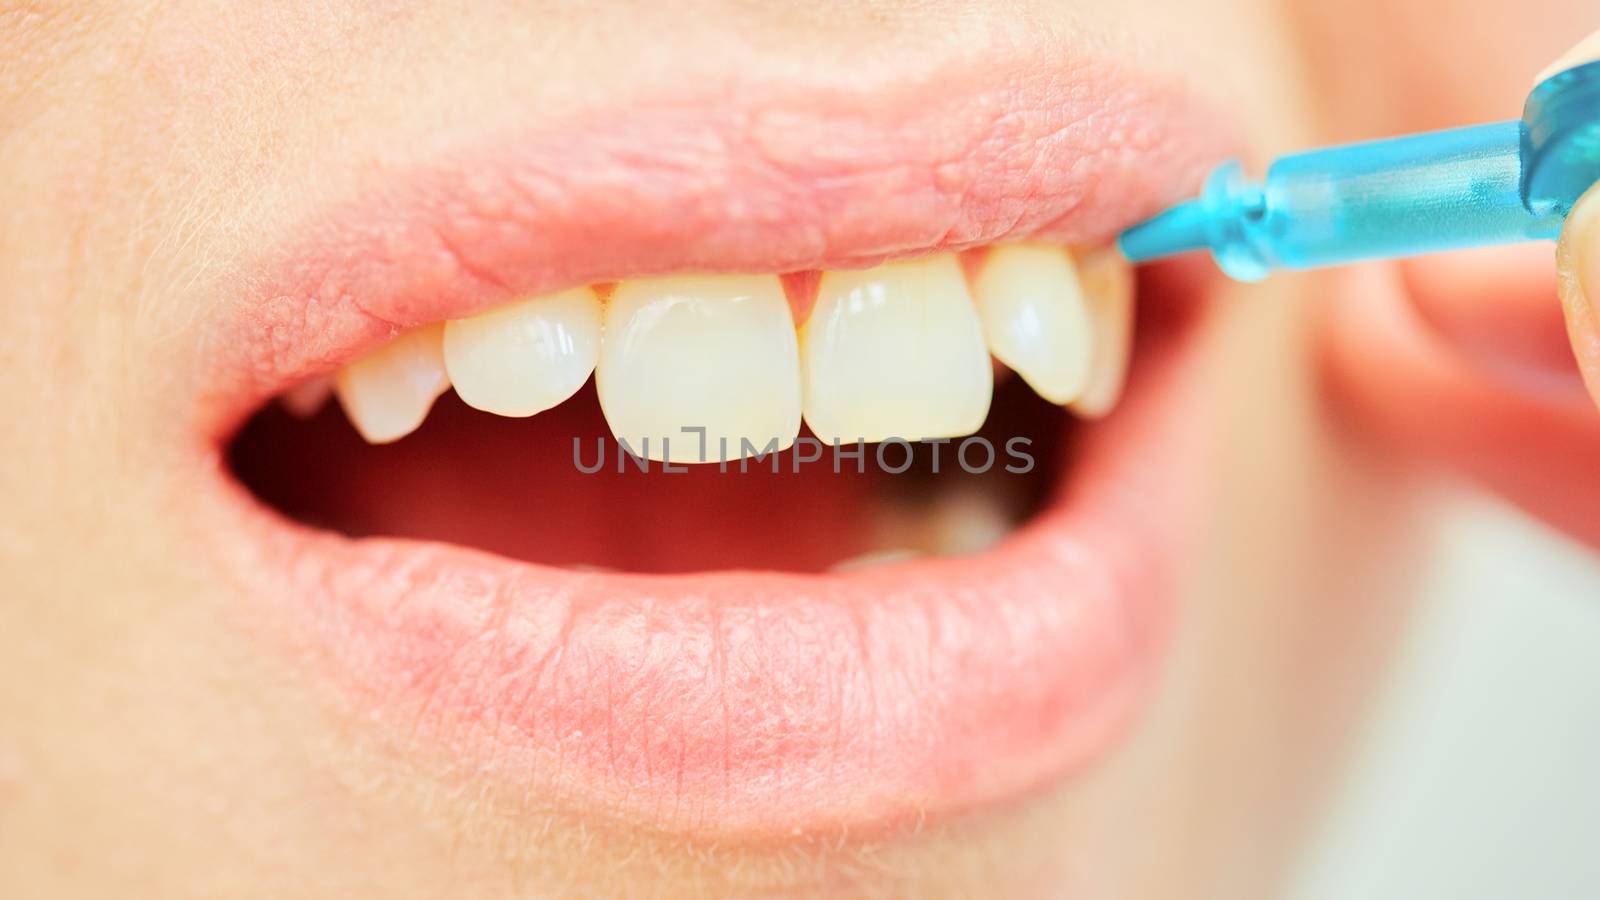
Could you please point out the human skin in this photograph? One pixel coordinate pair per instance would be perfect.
(163, 735)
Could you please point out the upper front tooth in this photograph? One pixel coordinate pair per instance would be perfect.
(1108, 286)
(387, 394)
(1036, 318)
(525, 357)
(716, 352)
(895, 351)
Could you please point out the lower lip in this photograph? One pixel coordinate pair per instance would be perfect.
(747, 704)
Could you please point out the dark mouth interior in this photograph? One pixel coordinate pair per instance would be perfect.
(511, 486)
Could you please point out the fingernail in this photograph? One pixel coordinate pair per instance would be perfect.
(1586, 51)
(1579, 262)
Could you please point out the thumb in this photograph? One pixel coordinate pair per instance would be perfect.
(1578, 259)
(1588, 50)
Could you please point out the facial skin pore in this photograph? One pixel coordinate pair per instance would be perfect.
(162, 736)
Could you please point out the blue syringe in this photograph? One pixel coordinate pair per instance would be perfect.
(1467, 187)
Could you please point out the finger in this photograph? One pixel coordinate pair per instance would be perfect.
(1578, 257)
(1588, 50)
(1534, 440)
(1578, 261)
(1499, 307)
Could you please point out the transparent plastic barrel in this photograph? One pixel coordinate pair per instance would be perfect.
(1420, 194)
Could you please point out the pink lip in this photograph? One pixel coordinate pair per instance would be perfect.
(739, 703)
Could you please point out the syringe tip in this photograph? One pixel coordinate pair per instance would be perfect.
(1179, 229)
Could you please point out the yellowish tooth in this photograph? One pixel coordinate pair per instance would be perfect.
(1107, 281)
(1036, 319)
(525, 357)
(895, 351)
(712, 352)
(388, 393)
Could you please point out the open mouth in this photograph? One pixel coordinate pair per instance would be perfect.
(731, 496)
(684, 450)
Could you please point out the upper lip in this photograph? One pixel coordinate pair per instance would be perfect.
(733, 702)
(765, 179)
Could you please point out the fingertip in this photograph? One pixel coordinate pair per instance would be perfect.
(1397, 379)
(1578, 262)
(1578, 257)
(1498, 306)
(1588, 50)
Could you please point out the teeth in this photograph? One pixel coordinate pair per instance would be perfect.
(958, 522)
(968, 522)
(1108, 286)
(387, 394)
(706, 351)
(875, 559)
(895, 351)
(898, 351)
(1036, 318)
(525, 357)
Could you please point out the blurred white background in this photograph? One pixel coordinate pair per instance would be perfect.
(1480, 776)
